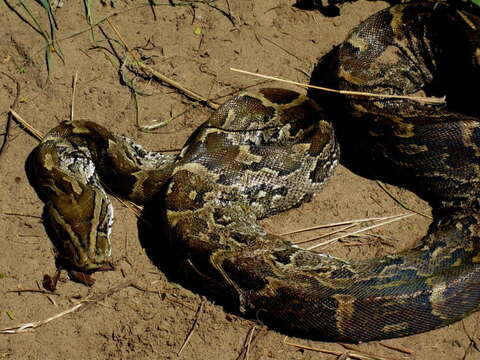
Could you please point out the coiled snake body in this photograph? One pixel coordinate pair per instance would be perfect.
(265, 152)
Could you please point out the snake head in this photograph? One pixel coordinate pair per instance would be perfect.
(78, 214)
(81, 224)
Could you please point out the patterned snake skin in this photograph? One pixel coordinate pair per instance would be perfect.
(269, 151)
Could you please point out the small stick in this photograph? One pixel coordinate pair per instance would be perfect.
(360, 230)
(32, 291)
(6, 134)
(399, 202)
(281, 48)
(35, 324)
(189, 93)
(75, 78)
(190, 333)
(422, 99)
(37, 134)
(24, 215)
(136, 209)
(249, 342)
(306, 347)
(52, 300)
(368, 356)
(83, 305)
(352, 354)
(398, 348)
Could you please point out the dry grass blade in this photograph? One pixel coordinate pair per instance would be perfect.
(74, 87)
(325, 235)
(399, 202)
(421, 99)
(8, 124)
(398, 348)
(136, 209)
(354, 349)
(37, 134)
(401, 217)
(350, 354)
(35, 324)
(249, 342)
(306, 347)
(346, 222)
(83, 305)
(156, 124)
(187, 92)
(192, 329)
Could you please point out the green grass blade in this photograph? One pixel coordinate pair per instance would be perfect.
(88, 10)
(37, 26)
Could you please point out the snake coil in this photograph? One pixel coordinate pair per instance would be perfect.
(265, 152)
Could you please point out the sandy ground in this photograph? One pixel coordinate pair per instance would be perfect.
(195, 45)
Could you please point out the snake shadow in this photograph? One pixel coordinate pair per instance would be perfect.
(358, 149)
(154, 237)
(352, 136)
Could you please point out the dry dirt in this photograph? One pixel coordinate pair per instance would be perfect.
(194, 45)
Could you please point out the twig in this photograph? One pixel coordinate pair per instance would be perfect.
(190, 333)
(472, 344)
(152, 6)
(75, 78)
(31, 291)
(249, 342)
(52, 300)
(306, 347)
(6, 133)
(352, 354)
(189, 93)
(82, 306)
(228, 14)
(367, 356)
(280, 47)
(399, 202)
(155, 124)
(33, 325)
(136, 209)
(37, 134)
(398, 348)
(422, 99)
(24, 215)
(159, 123)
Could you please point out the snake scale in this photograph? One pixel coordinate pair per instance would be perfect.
(264, 152)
